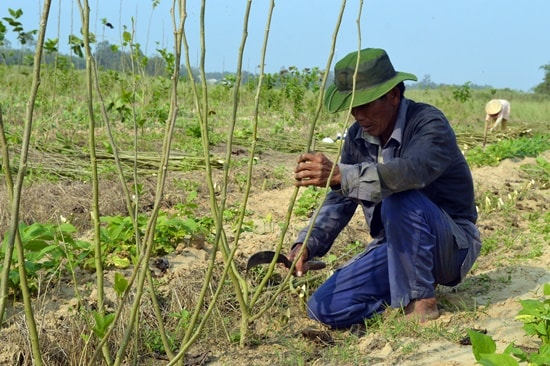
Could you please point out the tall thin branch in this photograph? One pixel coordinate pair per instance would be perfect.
(309, 146)
(4, 281)
(98, 257)
(14, 235)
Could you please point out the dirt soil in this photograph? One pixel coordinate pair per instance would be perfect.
(487, 300)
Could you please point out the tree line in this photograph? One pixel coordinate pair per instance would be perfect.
(112, 57)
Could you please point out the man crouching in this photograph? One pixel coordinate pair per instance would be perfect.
(401, 163)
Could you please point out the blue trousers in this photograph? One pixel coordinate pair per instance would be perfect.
(417, 252)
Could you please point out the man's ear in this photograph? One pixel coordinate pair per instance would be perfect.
(395, 96)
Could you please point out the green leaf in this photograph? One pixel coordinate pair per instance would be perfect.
(529, 307)
(36, 231)
(14, 277)
(120, 262)
(494, 359)
(541, 328)
(35, 245)
(15, 13)
(481, 344)
(547, 289)
(67, 228)
(545, 350)
(76, 45)
(102, 323)
(540, 359)
(520, 354)
(54, 250)
(126, 36)
(51, 45)
(82, 244)
(121, 284)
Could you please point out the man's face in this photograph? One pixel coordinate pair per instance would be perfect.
(377, 118)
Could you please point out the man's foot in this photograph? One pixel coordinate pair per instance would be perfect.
(422, 310)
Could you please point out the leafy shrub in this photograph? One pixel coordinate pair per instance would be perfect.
(46, 247)
(508, 148)
(308, 201)
(463, 93)
(118, 236)
(535, 315)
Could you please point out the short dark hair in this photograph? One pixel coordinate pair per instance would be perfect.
(401, 87)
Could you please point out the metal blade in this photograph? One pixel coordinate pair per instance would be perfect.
(266, 257)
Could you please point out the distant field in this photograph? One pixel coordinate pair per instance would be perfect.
(207, 183)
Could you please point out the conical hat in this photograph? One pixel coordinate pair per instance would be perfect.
(493, 107)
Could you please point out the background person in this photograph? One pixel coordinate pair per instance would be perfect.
(497, 112)
(401, 164)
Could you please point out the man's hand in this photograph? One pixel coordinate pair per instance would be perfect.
(301, 263)
(314, 169)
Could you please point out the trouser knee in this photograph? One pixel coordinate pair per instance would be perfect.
(395, 206)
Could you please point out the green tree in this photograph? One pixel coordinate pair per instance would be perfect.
(544, 87)
(3, 31)
(109, 56)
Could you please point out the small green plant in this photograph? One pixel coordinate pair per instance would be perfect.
(538, 172)
(46, 248)
(118, 236)
(183, 317)
(308, 201)
(491, 244)
(463, 93)
(169, 60)
(355, 247)
(153, 340)
(102, 323)
(535, 315)
(231, 214)
(508, 148)
(491, 202)
(268, 222)
(540, 223)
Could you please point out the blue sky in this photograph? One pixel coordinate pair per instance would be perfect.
(487, 42)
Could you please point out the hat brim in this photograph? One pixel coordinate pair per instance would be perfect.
(493, 107)
(337, 101)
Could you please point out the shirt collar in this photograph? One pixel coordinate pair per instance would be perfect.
(397, 133)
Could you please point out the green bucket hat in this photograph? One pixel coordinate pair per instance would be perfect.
(375, 77)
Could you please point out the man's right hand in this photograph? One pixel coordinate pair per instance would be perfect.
(314, 169)
(301, 267)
